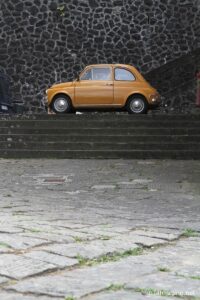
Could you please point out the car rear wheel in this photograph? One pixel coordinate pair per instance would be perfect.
(137, 105)
(62, 104)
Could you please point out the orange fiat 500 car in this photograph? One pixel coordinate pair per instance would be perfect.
(104, 86)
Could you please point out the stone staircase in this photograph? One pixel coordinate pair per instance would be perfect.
(100, 136)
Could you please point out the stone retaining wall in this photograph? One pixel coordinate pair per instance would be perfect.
(44, 41)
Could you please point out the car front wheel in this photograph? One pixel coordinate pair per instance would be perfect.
(62, 104)
(137, 105)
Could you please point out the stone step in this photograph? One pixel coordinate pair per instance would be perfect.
(102, 116)
(100, 136)
(97, 138)
(99, 123)
(100, 154)
(104, 131)
(99, 146)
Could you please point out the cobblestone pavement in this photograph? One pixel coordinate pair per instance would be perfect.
(99, 229)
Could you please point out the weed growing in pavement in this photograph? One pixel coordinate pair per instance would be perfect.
(4, 245)
(82, 260)
(116, 287)
(195, 277)
(163, 269)
(108, 257)
(70, 298)
(78, 239)
(190, 277)
(190, 233)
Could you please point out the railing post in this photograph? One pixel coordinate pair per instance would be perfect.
(198, 90)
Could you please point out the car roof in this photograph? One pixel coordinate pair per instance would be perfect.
(111, 65)
(130, 67)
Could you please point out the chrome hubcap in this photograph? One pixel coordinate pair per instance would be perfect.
(61, 105)
(137, 105)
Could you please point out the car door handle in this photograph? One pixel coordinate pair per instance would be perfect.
(110, 84)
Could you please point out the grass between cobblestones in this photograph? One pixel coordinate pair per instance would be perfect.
(146, 292)
(190, 233)
(4, 245)
(190, 277)
(116, 287)
(195, 277)
(164, 293)
(163, 269)
(109, 257)
(78, 239)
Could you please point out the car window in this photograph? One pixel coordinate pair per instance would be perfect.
(123, 75)
(101, 74)
(87, 75)
(97, 74)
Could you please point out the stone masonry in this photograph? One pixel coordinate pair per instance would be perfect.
(44, 41)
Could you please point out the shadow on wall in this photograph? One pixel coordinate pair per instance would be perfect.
(176, 82)
(7, 103)
(5, 95)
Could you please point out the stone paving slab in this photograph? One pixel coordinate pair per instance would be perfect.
(90, 250)
(84, 281)
(5, 249)
(158, 234)
(141, 239)
(51, 237)
(97, 248)
(125, 295)
(182, 257)
(3, 280)
(18, 267)
(103, 187)
(104, 230)
(151, 232)
(19, 242)
(172, 284)
(50, 258)
(80, 282)
(14, 296)
(178, 258)
(10, 229)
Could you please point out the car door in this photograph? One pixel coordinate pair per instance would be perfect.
(95, 87)
(124, 83)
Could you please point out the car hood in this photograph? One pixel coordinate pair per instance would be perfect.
(62, 85)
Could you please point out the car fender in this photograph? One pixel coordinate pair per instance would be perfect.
(53, 93)
(135, 92)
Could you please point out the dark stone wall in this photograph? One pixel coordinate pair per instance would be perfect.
(45, 41)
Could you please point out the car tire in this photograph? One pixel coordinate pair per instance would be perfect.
(62, 104)
(137, 105)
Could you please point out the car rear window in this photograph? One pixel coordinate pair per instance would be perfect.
(123, 75)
